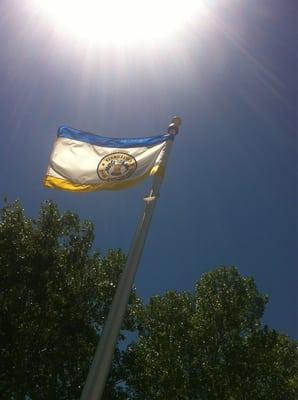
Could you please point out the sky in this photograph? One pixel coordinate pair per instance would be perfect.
(230, 192)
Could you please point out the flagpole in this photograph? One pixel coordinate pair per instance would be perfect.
(101, 364)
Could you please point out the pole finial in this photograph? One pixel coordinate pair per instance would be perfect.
(174, 125)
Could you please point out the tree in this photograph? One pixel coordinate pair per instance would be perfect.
(55, 294)
(54, 297)
(211, 345)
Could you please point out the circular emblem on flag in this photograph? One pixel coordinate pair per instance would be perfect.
(116, 166)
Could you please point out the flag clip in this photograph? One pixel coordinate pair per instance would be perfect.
(150, 198)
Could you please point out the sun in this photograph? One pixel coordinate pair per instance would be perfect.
(120, 21)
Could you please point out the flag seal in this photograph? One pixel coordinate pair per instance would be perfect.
(116, 166)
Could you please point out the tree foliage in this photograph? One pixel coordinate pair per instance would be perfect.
(54, 297)
(55, 294)
(211, 345)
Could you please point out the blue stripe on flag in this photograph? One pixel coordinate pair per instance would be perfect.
(91, 138)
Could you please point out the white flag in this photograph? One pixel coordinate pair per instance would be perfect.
(84, 162)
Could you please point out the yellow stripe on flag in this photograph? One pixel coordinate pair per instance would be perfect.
(52, 182)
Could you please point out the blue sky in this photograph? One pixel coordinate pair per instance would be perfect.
(230, 193)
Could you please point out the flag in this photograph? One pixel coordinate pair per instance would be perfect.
(84, 162)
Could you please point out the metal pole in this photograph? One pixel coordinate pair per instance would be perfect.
(101, 364)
